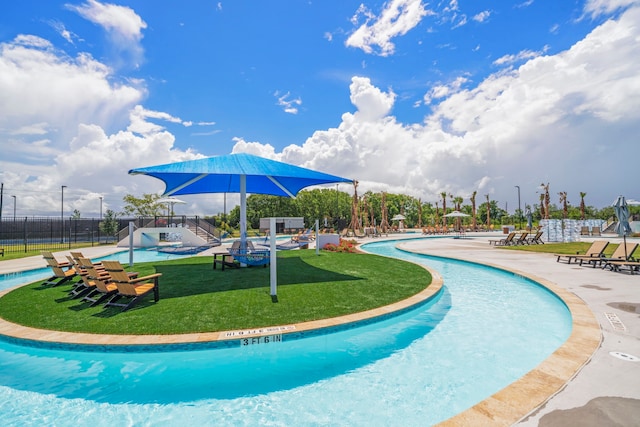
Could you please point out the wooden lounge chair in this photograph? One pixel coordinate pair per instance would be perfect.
(504, 242)
(62, 271)
(522, 239)
(87, 284)
(132, 289)
(624, 252)
(537, 239)
(619, 265)
(103, 287)
(595, 231)
(584, 231)
(594, 252)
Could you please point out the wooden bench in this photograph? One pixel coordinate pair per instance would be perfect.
(226, 260)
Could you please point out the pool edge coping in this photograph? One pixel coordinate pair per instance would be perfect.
(14, 330)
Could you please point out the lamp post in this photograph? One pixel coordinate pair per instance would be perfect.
(14, 208)
(62, 214)
(100, 207)
(519, 210)
(337, 206)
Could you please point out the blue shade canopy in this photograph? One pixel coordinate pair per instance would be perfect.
(221, 174)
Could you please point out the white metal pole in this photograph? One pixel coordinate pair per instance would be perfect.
(243, 211)
(317, 245)
(272, 253)
(131, 230)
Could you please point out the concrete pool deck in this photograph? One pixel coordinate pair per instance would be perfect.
(604, 389)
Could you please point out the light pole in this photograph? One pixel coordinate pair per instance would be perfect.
(337, 206)
(101, 208)
(519, 211)
(62, 214)
(14, 208)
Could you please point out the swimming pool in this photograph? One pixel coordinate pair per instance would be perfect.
(416, 369)
(9, 280)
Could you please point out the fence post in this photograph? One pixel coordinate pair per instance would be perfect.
(24, 234)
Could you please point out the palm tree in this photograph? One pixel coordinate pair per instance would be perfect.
(384, 222)
(488, 213)
(355, 224)
(563, 201)
(457, 202)
(444, 208)
(419, 213)
(582, 207)
(547, 200)
(473, 210)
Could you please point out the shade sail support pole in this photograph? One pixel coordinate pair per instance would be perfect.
(243, 211)
(273, 272)
(317, 229)
(280, 186)
(186, 184)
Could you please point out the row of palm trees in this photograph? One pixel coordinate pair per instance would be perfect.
(339, 209)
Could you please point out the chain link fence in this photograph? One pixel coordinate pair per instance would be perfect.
(47, 233)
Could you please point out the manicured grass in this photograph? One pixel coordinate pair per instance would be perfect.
(560, 248)
(196, 298)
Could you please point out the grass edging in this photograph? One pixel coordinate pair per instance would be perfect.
(367, 285)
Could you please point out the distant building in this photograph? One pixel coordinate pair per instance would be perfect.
(283, 225)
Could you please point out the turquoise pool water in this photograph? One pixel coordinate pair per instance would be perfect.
(486, 329)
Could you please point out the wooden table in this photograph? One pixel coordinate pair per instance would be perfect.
(225, 260)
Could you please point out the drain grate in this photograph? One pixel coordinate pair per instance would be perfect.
(615, 321)
(625, 356)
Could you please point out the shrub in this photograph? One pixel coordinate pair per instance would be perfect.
(344, 246)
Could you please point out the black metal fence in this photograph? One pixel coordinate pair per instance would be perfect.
(48, 233)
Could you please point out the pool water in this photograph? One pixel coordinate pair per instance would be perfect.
(486, 329)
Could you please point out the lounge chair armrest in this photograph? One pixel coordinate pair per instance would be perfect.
(149, 277)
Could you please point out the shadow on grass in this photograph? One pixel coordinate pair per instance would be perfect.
(193, 279)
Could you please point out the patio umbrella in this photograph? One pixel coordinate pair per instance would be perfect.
(399, 218)
(529, 216)
(236, 173)
(622, 213)
(170, 201)
(456, 214)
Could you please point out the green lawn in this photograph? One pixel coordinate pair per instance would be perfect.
(560, 248)
(196, 298)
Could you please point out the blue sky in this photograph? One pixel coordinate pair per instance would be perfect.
(402, 95)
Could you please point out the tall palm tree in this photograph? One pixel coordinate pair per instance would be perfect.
(547, 200)
(444, 208)
(473, 210)
(563, 201)
(355, 224)
(457, 202)
(384, 222)
(419, 213)
(582, 206)
(488, 213)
